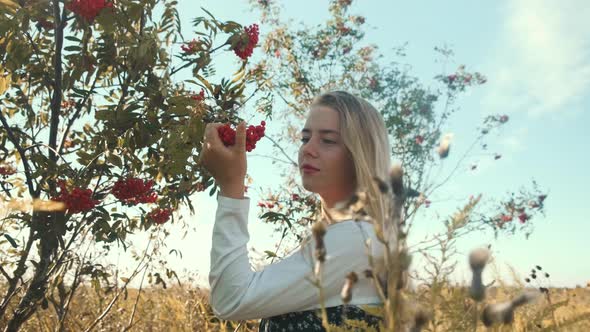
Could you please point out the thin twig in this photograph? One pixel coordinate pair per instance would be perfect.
(21, 152)
(130, 324)
(116, 297)
(282, 150)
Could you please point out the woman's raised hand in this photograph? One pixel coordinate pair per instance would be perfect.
(227, 164)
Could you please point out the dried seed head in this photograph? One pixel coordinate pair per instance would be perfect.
(320, 251)
(346, 294)
(477, 291)
(527, 296)
(444, 146)
(497, 313)
(477, 261)
(503, 313)
(405, 259)
(421, 318)
(478, 258)
(354, 198)
(382, 185)
(352, 276)
(396, 175)
(318, 229)
(317, 268)
(402, 281)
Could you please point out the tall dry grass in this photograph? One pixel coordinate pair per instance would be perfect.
(187, 309)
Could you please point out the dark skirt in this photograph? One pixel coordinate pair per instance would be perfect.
(311, 320)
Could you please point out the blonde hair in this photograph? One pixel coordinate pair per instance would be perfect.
(365, 135)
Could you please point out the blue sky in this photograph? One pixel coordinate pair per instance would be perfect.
(536, 56)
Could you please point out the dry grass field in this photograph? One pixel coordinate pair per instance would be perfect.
(186, 309)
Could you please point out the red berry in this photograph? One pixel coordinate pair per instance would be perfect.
(248, 41)
(88, 9)
(77, 200)
(7, 170)
(132, 191)
(200, 96)
(159, 216)
(253, 135)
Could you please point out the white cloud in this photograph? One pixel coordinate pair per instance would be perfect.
(541, 62)
(513, 142)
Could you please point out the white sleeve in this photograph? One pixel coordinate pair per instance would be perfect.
(240, 293)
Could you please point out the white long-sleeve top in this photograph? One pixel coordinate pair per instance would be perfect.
(240, 293)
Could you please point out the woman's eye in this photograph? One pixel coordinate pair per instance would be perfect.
(327, 141)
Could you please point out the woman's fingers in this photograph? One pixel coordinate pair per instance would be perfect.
(241, 137)
(223, 163)
(208, 142)
(211, 135)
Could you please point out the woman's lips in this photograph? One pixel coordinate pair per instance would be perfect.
(310, 170)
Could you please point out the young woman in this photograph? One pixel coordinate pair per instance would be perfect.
(344, 145)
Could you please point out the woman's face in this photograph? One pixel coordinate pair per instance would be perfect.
(322, 148)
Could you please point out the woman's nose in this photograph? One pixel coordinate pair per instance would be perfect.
(310, 147)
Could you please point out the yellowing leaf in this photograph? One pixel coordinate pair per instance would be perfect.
(36, 205)
(48, 205)
(4, 82)
(8, 5)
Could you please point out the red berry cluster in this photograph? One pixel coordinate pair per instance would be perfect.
(88, 9)
(248, 41)
(133, 191)
(68, 103)
(7, 170)
(200, 96)
(266, 205)
(419, 139)
(77, 200)
(191, 47)
(520, 211)
(43, 23)
(253, 135)
(461, 79)
(159, 215)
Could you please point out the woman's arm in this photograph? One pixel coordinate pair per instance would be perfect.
(238, 292)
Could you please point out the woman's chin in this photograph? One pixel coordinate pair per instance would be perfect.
(308, 185)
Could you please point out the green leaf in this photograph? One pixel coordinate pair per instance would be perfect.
(11, 240)
(212, 192)
(269, 254)
(115, 160)
(73, 48)
(72, 38)
(205, 82)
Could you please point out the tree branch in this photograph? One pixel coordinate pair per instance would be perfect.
(5, 274)
(116, 297)
(76, 114)
(57, 93)
(21, 152)
(282, 150)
